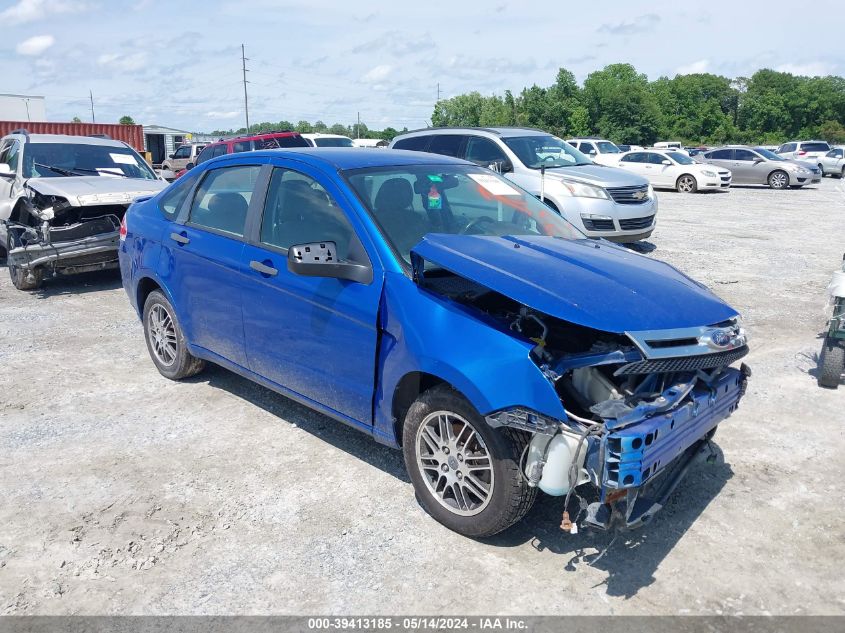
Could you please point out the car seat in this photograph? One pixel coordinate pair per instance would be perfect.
(227, 212)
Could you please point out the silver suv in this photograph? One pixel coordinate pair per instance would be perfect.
(62, 199)
(804, 150)
(601, 201)
(759, 166)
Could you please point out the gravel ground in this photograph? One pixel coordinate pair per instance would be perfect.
(125, 493)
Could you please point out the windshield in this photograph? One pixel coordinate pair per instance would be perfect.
(333, 142)
(548, 150)
(681, 159)
(768, 154)
(606, 147)
(407, 202)
(56, 160)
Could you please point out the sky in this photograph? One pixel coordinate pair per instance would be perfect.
(177, 63)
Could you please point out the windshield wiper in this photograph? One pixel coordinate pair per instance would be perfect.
(59, 170)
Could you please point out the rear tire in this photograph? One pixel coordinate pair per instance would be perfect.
(165, 340)
(831, 362)
(442, 418)
(778, 179)
(686, 184)
(841, 173)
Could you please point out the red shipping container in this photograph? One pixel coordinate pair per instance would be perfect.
(130, 134)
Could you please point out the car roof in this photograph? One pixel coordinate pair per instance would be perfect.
(74, 140)
(343, 158)
(506, 132)
(251, 137)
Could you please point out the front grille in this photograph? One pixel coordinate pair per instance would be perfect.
(629, 195)
(598, 225)
(687, 363)
(633, 224)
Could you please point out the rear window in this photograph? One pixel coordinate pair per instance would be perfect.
(414, 143)
(815, 147)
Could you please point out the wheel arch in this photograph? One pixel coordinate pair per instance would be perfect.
(410, 387)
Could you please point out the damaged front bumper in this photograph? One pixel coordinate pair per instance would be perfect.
(69, 250)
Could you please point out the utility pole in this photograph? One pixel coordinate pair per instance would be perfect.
(26, 103)
(246, 102)
(91, 96)
(438, 92)
(358, 128)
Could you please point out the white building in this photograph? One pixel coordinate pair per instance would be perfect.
(22, 108)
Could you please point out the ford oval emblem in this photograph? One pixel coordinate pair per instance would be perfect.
(721, 338)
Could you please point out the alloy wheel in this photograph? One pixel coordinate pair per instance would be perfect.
(162, 334)
(455, 463)
(779, 180)
(686, 184)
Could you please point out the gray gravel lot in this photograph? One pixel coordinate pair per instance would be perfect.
(123, 492)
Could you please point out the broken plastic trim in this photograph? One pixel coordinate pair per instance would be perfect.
(524, 420)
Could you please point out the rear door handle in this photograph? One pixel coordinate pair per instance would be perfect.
(181, 238)
(263, 268)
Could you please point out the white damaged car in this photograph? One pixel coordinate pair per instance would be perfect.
(62, 200)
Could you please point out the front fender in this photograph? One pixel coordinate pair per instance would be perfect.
(422, 332)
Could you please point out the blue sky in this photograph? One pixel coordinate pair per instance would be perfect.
(177, 63)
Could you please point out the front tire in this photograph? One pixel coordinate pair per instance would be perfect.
(831, 362)
(778, 179)
(165, 340)
(465, 473)
(26, 280)
(686, 184)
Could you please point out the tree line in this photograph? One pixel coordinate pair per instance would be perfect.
(622, 105)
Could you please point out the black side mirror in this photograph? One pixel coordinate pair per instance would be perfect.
(501, 166)
(189, 166)
(758, 160)
(319, 259)
(172, 156)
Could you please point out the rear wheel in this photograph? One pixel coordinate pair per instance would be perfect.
(778, 179)
(821, 169)
(165, 340)
(465, 473)
(831, 362)
(686, 184)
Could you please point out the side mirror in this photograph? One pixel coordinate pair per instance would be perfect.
(319, 259)
(501, 166)
(189, 166)
(666, 161)
(171, 156)
(5, 170)
(758, 160)
(592, 152)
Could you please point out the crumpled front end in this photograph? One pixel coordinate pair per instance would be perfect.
(48, 232)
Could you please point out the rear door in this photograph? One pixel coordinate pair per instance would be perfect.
(202, 260)
(315, 336)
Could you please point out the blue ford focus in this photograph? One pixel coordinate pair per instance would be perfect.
(434, 305)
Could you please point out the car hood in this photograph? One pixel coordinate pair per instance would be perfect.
(88, 190)
(600, 175)
(586, 282)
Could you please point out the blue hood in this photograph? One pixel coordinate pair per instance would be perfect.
(589, 283)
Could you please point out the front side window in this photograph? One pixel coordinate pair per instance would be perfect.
(222, 200)
(483, 151)
(606, 147)
(298, 210)
(205, 154)
(587, 148)
(172, 199)
(13, 155)
(656, 159)
(545, 149)
(56, 160)
(681, 159)
(219, 150)
(745, 155)
(183, 152)
(408, 202)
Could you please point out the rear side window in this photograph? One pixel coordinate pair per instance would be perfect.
(219, 150)
(636, 157)
(173, 198)
(414, 143)
(446, 145)
(242, 146)
(222, 200)
(721, 154)
(788, 147)
(815, 147)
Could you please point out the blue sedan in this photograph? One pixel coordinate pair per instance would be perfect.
(439, 308)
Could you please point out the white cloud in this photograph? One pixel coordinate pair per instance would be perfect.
(35, 45)
(379, 73)
(700, 66)
(214, 114)
(125, 63)
(33, 10)
(810, 69)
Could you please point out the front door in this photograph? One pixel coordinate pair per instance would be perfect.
(205, 254)
(315, 336)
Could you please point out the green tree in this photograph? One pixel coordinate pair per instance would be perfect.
(126, 120)
(76, 119)
(304, 127)
(621, 105)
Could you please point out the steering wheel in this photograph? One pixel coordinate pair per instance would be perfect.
(477, 221)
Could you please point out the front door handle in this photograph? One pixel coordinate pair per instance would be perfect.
(263, 268)
(181, 238)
